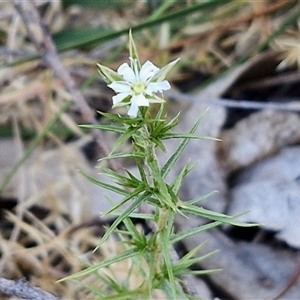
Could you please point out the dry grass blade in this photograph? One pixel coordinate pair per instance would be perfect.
(43, 42)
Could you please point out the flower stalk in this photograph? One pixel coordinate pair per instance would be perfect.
(136, 86)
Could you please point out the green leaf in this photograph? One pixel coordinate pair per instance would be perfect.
(137, 239)
(176, 184)
(131, 122)
(129, 196)
(166, 288)
(109, 75)
(140, 166)
(119, 257)
(205, 213)
(165, 198)
(160, 76)
(130, 181)
(175, 156)
(160, 112)
(173, 135)
(122, 155)
(104, 127)
(121, 119)
(104, 185)
(158, 143)
(172, 123)
(136, 203)
(132, 50)
(164, 237)
(183, 264)
(179, 236)
(202, 272)
(122, 139)
(199, 199)
(124, 295)
(159, 129)
(135, 215)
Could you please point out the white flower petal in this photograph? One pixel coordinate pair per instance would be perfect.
(120, 87)
(140, 100)
(117, 99)
(127, 73)
(133, 110)
(148, 70)
(138, 85)
(154, 87)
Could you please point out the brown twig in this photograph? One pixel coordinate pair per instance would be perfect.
(23, 289)
(40, 37)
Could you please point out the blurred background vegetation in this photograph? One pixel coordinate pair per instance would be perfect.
(210, 37)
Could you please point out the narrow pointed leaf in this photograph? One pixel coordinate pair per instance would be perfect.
(132, 49)
(175, 156)
(126, 199)
(173, 135)
(124, 255)
(122, 139)
(168, 262)
(160, 112)
(182, 265)
(120, 118)
(159, 144)
(192, 231)
(104, 185)
(122, 155)
(137, 202)
(199, 199)
(202, 212)
(160, 76)
(108, 75)
(177, 182)
(202, 272)
(135, 215)
(104, 127)
(172, 123)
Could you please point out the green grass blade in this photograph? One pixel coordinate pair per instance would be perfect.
(69, 39)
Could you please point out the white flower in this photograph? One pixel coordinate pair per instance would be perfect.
(138, 87)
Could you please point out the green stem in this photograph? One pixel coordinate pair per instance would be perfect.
(162, 226)
(160, 190)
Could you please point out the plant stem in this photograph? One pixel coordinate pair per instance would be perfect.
(161, 192)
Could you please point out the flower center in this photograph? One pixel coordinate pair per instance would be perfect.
(138, 87)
